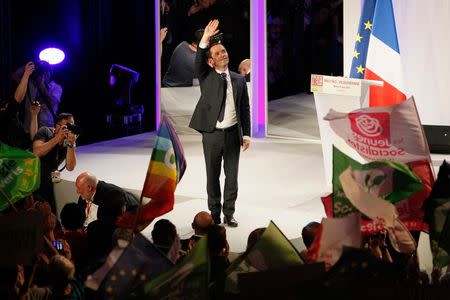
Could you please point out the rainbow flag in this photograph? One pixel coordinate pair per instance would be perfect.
(167, 164)
(165, 170)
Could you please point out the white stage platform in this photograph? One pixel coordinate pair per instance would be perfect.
(280, 179)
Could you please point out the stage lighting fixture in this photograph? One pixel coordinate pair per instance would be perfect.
(121, 79)
(52, 55)
(120, 74)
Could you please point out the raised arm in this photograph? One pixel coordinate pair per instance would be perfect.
(201, 65)
(21, 89)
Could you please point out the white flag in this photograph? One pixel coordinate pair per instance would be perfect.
(383, 133)
(334, 233)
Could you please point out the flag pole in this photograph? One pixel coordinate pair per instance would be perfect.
(137, 214)
(8, 200)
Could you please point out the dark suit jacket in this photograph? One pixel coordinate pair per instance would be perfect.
(107, 191)
(206, 112)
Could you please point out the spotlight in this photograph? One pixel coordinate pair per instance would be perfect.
(122, 75)
(52, 55)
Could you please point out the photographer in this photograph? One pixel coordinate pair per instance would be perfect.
(15, 133)
(54, 146)
(36, 85)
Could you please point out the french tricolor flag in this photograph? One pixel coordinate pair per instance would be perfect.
(377, 54)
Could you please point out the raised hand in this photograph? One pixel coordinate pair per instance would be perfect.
(61, 133)
(29, 69)
(162, 34)
(211, 29)
(35, 108)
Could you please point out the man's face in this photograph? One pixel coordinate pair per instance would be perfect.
(218, 57)
(85, 190)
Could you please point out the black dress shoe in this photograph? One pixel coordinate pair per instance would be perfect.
(230, 221)
(216, 219)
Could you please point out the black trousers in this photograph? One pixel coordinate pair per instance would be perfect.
(217, 146)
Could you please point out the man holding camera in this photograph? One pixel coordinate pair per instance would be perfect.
(54, 146)
(38, 87)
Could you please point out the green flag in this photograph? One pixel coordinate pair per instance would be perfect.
(272, 251)
(391, 180)
(19, 174)
(186, 280)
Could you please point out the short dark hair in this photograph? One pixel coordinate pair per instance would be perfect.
(41, 67)
(72, 216)
(217, 239)
(163, 234)
(63, 116)
(309, 233)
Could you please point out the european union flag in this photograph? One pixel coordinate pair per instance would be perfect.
(140, 262)
(362, 40)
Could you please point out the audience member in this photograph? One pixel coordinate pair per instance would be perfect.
(377, 243)
(100, 232)
(54, 146)
(15, 132)
(308, 234)
(200, 224)
(41, 277)
(72, 219)
(445, 280)
(63, 284)
(11, 282)
(39, 86)
(254, 236)
(98, 192)
(181, 66)
(166, 239)
(218, 253)
(245, 68)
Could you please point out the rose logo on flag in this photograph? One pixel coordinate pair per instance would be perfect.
(368, 126)
(372, 129)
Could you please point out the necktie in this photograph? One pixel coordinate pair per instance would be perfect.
(222, 107)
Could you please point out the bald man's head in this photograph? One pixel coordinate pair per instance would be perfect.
(245, 67)
(202, 221)
(86, 185)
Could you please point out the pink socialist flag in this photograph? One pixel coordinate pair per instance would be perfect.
(383, 57)
(383, 133)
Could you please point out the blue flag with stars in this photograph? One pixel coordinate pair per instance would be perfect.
(362, 40)
(140, 262)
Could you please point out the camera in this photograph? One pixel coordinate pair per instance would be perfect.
(75, 129)
(58, 244)
(40, 68)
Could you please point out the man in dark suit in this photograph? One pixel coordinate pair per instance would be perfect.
(92, 190)
(222, 116)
